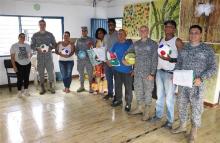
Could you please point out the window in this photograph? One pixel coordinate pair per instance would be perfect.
(11, 26)
(103, 23)
(98, 23)
(29, 25)
(118, 23)
(52, 24)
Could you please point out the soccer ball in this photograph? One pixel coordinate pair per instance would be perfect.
(164, 50)
(114, 62)
(44, 48)
(111, 56)
(66, 51)
(130, 58)
(82, 54)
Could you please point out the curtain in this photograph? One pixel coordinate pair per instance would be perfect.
(98, 23)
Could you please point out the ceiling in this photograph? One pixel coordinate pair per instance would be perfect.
(86, 2)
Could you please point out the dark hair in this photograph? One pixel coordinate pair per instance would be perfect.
(129, 41)
(21, 34)
(111, 20)
(196, 26)
(42, 21)
(172, 22)
(67, 32)
(97, 31)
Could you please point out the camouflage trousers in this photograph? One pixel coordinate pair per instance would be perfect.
(143, 89)
(194, 98)
(81, 66)
(45, 61)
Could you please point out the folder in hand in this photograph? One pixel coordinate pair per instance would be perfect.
(183, 78)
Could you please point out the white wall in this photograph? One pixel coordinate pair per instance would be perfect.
(115, 11)
(74, 18)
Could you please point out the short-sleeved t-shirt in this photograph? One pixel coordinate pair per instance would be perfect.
(119, 49)
(22, 53)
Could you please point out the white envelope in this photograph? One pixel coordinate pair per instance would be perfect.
(183, 78)
(100, 52)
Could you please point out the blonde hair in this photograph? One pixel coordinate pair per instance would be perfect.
(144, 26)
(122, 30)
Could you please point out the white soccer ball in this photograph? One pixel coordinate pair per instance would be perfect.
(44, 48)
(164, 50)
(66, 51)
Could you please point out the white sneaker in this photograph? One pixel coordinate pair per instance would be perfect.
(26, 92)
(19, 94)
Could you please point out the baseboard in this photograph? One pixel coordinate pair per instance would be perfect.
(211, 105)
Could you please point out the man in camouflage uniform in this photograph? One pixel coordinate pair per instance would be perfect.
(39, 40)
(82, 45)
(200, 58)
(144, 71)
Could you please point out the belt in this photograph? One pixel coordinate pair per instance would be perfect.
(168, 71)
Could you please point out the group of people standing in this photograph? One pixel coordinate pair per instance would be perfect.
(149, 67)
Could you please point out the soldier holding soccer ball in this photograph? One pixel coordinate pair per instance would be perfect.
(43, 42)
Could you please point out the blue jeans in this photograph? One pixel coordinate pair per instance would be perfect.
(109, 73)
(165, 93)
(66, 68)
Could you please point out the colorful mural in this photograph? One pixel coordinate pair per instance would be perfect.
(152, 14)
(160, 11)
(135, 16)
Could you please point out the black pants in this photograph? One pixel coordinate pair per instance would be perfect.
(126, 79)
(23, 75)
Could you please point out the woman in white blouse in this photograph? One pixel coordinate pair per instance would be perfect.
(65, 50)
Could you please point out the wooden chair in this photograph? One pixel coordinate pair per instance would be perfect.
(8, 65)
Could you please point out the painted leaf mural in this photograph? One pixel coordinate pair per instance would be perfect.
(160, 11)
(152, 14)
